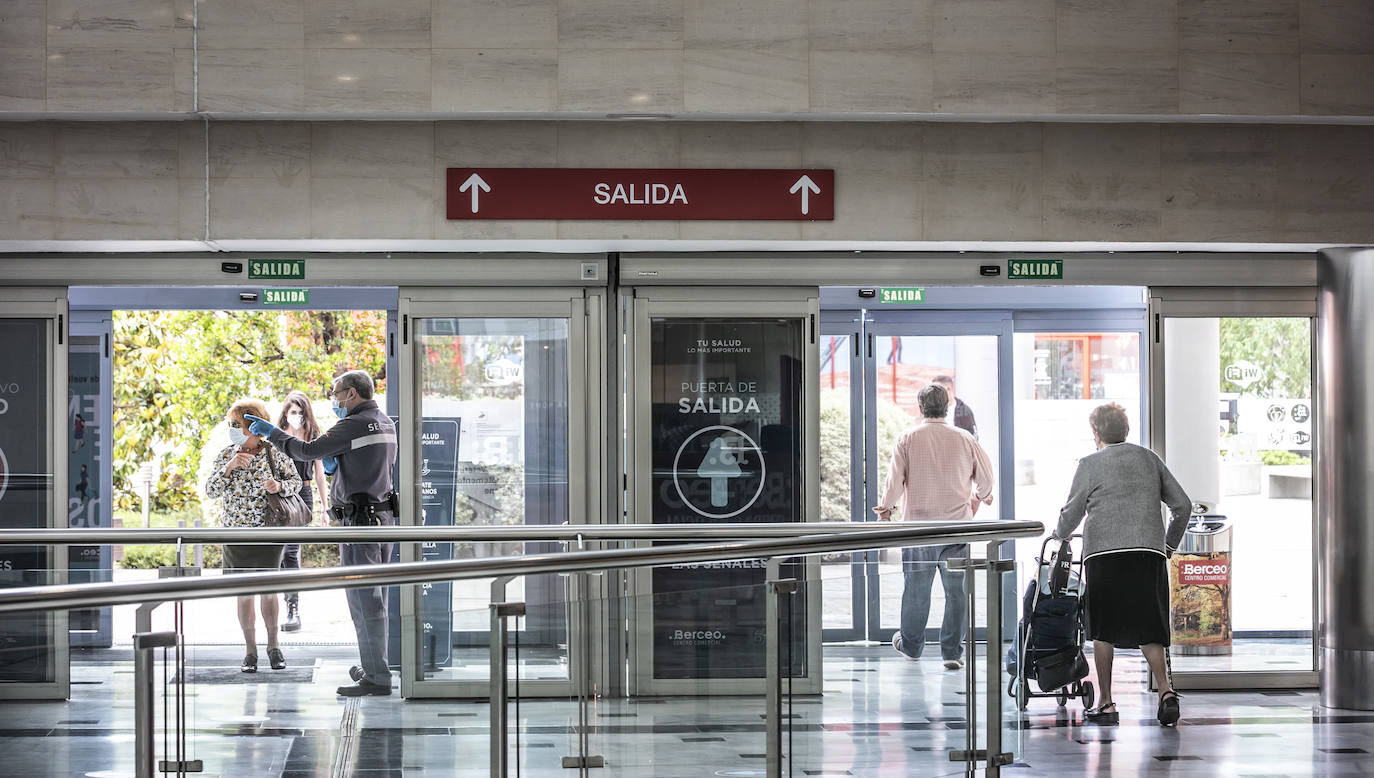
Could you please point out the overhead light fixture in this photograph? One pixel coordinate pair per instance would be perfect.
(640, 116)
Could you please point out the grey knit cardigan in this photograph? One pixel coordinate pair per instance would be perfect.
(1119, 488)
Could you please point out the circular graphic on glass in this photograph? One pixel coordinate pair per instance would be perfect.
(714, 468)
(1301, 413)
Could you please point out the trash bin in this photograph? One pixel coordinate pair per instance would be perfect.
(1200, 587)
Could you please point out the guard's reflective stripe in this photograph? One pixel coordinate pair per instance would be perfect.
(372, 440)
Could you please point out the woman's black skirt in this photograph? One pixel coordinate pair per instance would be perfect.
(1127, 598)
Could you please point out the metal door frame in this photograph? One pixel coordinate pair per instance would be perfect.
(850, 323)
(645, 304)
(49, 304)
(935, 323)
(1241, 302)
(581, 309)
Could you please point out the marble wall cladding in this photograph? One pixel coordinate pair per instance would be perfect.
(621, 81)
(1219, 183)
(133, 80)
(495, 24)
(760, 58)
(475, 80)
(366, 24)
(894, 181)
(1102, 185)
(771, 79)
(23, 79)
(1240, 83)
(977, 174)
(1338, 84)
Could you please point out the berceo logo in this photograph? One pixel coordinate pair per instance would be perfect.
(1196, 569)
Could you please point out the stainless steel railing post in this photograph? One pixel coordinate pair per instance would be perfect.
(776, 586)
(500, 611)
(996, 569)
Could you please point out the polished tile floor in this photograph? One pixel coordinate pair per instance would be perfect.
(879, 715)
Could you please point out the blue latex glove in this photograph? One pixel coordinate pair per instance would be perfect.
(330, 465)
(257, 426)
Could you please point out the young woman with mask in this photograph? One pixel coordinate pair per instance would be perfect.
(298, 419)
(241, 478)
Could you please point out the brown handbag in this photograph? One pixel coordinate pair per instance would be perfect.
(283, 510)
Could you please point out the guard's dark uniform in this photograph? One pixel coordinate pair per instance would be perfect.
(364, 443)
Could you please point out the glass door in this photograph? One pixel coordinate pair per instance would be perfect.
(1234, 397)
(965, 353)
(722, 414)
(34, 440)
(844, 599)
(496, 388)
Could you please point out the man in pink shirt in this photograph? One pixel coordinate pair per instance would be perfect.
(935, 468)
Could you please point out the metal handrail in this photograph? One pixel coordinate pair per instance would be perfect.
(427, 534)
(63, 596)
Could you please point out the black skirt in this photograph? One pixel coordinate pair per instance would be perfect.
(1127, 598)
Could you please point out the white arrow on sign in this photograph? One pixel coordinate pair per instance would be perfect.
(475, 183)
(807, 188)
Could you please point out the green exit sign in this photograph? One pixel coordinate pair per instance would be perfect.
(276, 269)
(286, 297)
(1035, 268)
(902, 294)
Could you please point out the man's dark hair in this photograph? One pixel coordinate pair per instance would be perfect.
(357, 380)
(934, 401)
(943, 380)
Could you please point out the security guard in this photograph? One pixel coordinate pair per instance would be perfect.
(363, 443)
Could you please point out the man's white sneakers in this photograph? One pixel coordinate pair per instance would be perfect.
(954, 664)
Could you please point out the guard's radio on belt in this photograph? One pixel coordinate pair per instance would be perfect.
(359, 511)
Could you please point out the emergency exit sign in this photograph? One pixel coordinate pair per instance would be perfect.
(276, 269)
(902, 294)
(1035, 268)
(286, 297)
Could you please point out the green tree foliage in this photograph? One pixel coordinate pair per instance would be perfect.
(837, 459)
(177, 372)
(1280, 347)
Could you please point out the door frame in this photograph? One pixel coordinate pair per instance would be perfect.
(1241, 302)
(934, 323)
(645, 304)
(50, 305)
(580, 308)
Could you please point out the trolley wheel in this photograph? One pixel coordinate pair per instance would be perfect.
(1062, 697)
(1022, 695)
(1089, 695)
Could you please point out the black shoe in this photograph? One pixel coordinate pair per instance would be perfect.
(1102, 716)
(293, 617)
(1168, 709)
(356, 672)
(250, 663)
(275, 657)
(364, 688)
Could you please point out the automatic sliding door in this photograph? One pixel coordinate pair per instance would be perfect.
(843, 607)
(495, 390)
(906, 357)
(723, 414)
(1238, 432)
(33, 449)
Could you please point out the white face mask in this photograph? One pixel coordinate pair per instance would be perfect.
(295, 420)
(236, 435)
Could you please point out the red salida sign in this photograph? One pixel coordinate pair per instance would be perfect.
(639, 194)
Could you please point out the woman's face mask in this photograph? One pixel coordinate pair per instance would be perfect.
(295, 420)
(237, 436)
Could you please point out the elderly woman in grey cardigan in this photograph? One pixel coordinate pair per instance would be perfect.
(1118, 489)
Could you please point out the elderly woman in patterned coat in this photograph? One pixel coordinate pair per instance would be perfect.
(241, 478)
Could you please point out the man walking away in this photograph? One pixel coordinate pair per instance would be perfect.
(935, 468)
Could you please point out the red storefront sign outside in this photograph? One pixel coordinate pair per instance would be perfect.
(641, 194)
